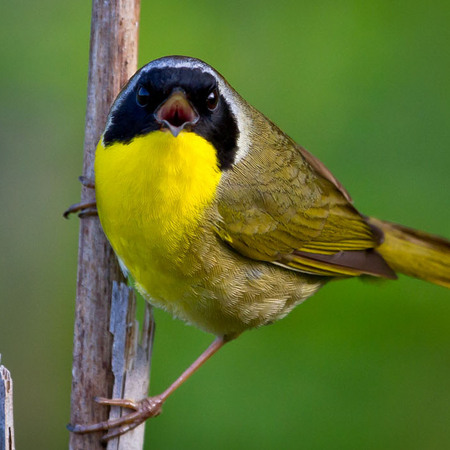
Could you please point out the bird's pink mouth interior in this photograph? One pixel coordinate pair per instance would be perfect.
(176, 112)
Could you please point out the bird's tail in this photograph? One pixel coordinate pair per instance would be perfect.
(415, 253)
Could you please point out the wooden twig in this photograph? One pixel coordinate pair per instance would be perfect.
(6, 410)
(112, 60)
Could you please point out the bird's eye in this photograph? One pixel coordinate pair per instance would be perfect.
(142, 97)
(212, 100)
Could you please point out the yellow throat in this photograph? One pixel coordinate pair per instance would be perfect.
(151, 196)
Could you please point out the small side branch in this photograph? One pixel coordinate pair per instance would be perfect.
(6, 410)
(130, 359)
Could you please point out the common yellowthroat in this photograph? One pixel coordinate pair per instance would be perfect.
(223, 220)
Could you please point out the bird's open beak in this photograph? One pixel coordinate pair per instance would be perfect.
(176, 113)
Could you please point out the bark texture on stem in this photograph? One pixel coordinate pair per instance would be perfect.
(112, 60)
(6, 410)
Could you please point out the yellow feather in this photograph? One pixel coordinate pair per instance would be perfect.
(151, 194)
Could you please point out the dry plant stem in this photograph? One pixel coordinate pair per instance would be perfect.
(148, 407)
(112, 60)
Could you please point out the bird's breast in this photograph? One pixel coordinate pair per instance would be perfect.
(151, 197)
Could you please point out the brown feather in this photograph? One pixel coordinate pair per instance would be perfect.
(364, 261)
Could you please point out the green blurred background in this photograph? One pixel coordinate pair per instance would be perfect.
(365, 86)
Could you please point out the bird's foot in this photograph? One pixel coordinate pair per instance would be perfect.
(84, 209)
(87, 182)
(142, 410)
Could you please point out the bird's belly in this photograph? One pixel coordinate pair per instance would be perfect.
(212, 287)
(223, 293)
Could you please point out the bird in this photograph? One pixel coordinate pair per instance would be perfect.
(223, 220)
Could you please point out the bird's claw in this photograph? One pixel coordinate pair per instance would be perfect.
(142, 410)
(84, 209)
(87, 182)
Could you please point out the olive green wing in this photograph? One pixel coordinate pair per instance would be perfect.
(285, 207)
